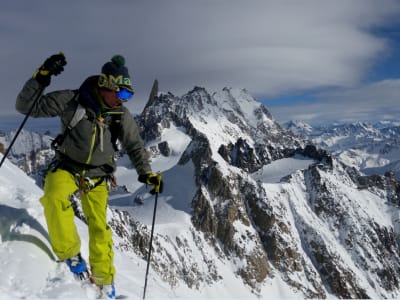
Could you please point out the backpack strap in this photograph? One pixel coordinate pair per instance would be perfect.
(79, 114)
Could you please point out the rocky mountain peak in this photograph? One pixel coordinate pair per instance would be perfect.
(299, 127)
(225, 118)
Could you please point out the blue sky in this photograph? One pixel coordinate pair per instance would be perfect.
(388, 65)
(329, 104)
(311, 60)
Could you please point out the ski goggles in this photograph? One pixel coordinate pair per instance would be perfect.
(124, 94)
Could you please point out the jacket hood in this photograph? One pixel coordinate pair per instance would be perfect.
(89, 96)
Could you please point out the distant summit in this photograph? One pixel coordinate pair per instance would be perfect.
(299, 127)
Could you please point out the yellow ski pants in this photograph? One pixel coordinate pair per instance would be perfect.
(58, 188)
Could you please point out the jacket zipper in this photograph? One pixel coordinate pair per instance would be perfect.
(92, 144)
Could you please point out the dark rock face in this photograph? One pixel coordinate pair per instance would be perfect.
(164, 148)
(240, 155)
(371, 245)
(218, 222)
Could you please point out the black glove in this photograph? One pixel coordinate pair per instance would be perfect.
(154, 180)
(53, 65)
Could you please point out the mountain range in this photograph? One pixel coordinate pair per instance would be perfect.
(251, 209)
(372, 148)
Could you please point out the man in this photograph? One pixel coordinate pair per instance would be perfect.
(85, 160)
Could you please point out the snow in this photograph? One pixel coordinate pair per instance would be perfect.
(274, 172)
(31, 272)
(292, 197)
(177, 140)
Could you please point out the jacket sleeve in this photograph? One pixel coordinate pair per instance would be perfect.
(49, 105)
(133, 144)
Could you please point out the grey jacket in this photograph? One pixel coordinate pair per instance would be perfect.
(87, 148)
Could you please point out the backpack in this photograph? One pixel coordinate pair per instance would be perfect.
(79, 114)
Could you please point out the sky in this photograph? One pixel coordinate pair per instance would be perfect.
(310, 60)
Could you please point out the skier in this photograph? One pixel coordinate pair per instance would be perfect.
(84, 160)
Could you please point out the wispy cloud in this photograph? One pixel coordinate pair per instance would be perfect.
(370, 102)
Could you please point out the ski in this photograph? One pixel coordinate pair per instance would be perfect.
(89, 285)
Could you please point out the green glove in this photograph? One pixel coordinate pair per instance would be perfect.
(53, 65)
(154, 180)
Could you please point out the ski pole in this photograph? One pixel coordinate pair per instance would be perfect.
(156, 189)
(22, 125)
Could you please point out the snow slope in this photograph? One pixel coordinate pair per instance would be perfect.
(30, 269)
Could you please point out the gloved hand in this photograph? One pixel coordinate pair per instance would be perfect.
(53, 65)
(154, 180)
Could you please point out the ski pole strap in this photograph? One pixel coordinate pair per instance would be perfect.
(154, 180)
(158, 185)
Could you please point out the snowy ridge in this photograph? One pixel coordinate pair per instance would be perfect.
(249, 211)
(223, 118)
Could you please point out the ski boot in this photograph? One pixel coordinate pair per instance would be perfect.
(106, 291)
(77, 265)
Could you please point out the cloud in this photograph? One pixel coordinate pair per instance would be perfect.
(370, 102)
(268, 47)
